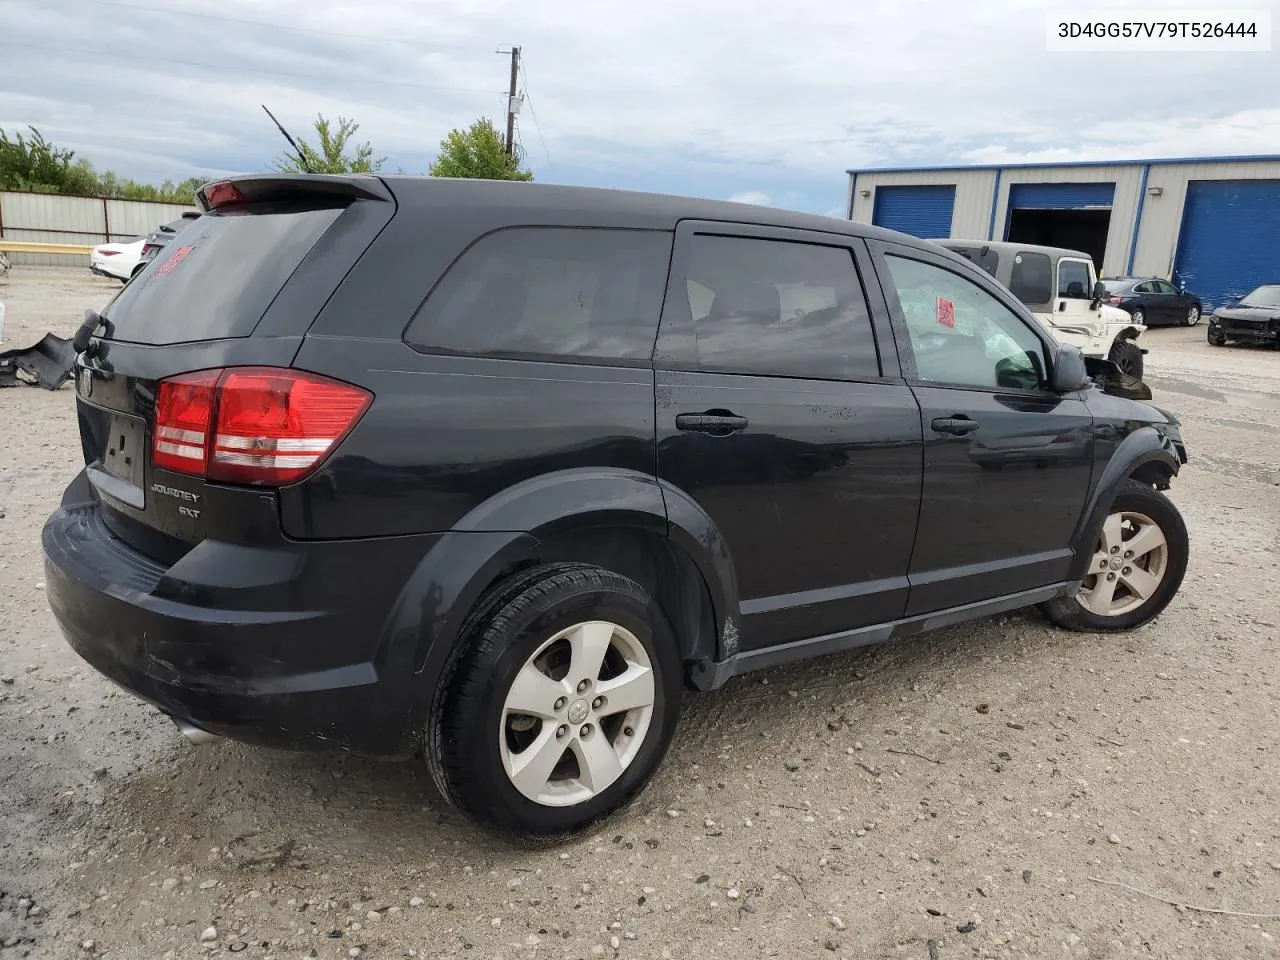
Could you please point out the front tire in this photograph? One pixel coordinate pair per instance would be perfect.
(1136, 567)
(1126, 355)
(1216, 338)
(560, 706)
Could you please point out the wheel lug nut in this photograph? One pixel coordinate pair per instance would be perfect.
(561, 702)
(628, 732)
(1103, 564)
(597, 703)
(1128, 554)
(1115, 549)
(562, 732)
(1127, 570)
(1111, 576)
(583, 685)
(585, 731)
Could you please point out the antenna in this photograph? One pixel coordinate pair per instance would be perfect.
(302, 160)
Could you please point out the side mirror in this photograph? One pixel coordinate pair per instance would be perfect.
(1099, 291)
(1069, 372)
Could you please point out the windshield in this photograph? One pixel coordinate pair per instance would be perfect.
(1268, 296)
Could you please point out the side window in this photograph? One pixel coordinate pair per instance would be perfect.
(1073, 279)
(1031, 278)
(778, 307)
(1144, 288)
(1165, 287)
(548, 291)
(960, 334)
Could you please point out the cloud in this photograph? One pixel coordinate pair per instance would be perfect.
(709, 98)
(757, 197)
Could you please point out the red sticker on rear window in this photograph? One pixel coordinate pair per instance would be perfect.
(946, 312)
(175, 258)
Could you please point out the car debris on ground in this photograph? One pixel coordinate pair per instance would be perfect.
(46, 364)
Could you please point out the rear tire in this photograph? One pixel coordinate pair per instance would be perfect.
(1144, 546)
(1193, 315)
(597, 649)
(1139, 316)
(1126, 355)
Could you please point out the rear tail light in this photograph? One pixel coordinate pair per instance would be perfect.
(222, 194)
(109, 253)
(253, 425)
(1115, 299)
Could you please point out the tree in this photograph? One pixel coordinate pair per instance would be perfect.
(33, 163)
(330, 155)
(477, 153)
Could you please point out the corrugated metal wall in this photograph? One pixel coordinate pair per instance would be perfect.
(1162, 215)
(45, 218)
(973, 196)
(1156, 244)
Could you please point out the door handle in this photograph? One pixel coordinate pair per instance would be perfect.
(958, 426)
(716, 424)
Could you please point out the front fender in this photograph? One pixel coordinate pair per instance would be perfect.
(1141, 448)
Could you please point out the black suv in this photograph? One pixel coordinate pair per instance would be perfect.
(491, 471)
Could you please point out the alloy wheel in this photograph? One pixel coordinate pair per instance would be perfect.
(1193, 316)
(1139, 317)
(577, 713)
(1128, 566)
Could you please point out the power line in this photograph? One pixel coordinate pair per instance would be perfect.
(536, 125)
(237, 68)
(276, 26)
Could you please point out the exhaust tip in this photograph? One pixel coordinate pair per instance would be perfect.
(195, 734)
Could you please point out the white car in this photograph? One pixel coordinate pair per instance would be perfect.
(119, 261)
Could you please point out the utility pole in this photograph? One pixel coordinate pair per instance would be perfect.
(511, 102)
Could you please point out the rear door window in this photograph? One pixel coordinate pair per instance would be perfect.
(218, 277)
(551, 292)
(779, 307)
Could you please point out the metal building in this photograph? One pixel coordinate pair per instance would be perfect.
(1211, 224)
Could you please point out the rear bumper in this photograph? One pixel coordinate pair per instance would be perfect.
(297, 664)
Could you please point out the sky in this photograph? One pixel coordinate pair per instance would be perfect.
(763, 102)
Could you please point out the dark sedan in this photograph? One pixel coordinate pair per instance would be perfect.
(1154, 302)
(1251, 319)
(159, 239)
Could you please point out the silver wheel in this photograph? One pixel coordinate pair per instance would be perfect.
(577, 714)
(1139, 316)
(1128, 567)
(1193, 316)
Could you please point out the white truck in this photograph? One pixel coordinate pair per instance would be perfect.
(1061, 288)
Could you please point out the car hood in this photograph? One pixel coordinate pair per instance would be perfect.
(1247, 313)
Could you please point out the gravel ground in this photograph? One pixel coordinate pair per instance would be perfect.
(975, 793)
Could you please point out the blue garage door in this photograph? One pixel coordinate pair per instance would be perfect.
(1230, 239)
(1061, 196)
(920, 211)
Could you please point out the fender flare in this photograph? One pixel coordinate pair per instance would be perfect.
(1144, 446)
(505, 532)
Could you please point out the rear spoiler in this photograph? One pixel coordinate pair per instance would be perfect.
(303, 186)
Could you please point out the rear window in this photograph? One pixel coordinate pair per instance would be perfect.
(219, 278)
(549, 291)
(1031, 277)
